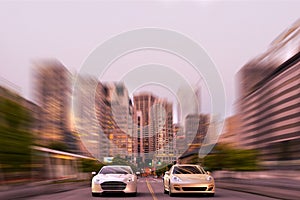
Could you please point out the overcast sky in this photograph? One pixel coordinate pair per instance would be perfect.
(231, 32)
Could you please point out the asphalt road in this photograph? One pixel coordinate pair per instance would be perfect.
(148, 189)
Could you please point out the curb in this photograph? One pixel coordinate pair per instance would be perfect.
(268, 191)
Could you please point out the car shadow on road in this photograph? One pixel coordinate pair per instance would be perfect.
(118, 195)
(193, 196)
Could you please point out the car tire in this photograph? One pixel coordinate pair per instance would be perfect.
(95, 194)
(165, 191)
(170, 192)
(133, 194)
(211, 195)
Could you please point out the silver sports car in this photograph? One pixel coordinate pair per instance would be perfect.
(188, 179)
(114, 179)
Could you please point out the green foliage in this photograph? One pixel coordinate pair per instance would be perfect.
(15, 140)
(224, 157)
(88, 165)
(13, 114)
(162, 169)
(120, 161)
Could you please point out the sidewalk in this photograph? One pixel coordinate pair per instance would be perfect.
(288, 189)
(39, 188)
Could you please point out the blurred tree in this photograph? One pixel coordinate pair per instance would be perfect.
(15, 138)
(224, 157)
(120, 161)
(13, 114)
(88, 165)
(60, 146)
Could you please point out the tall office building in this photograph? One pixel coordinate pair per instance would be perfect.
(230, 133)
(196, 126)
(180, 140)
(143, 128)
(269, 101)
(189, 101)
(53, 92)
(86, 123)
(196, 129)
(198, 95)
(121, 112)
(162, 123)
(114, 112)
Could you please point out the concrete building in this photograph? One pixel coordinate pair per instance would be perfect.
(180, 145)
(230, 134)
(162, 122)
(189, 101)
(121, 135)
(53, 95)
(85, 121)
(196, 128)
(143, 128)
(269, 102)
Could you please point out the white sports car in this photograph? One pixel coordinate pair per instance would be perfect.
(188, 179)
(114, 179)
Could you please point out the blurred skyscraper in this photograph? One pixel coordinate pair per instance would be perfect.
(230, 133)
(180, 140)
(162, 122)
(153, 130)
(189, 101)
(116, 119)
(104, 118)
(269, 102)
(53, 93)
(196, 128)
(85, 122)
(143, 129)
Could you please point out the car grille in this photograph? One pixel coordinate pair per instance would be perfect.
(194, 188)
(113, 185)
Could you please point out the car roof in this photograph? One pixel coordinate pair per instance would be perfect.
(117, 166)
(186, 165)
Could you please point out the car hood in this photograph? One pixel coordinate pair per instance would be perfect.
(114, 177)
(192, 177)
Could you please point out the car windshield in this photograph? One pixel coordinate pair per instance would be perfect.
(115, 170)
(187, 170)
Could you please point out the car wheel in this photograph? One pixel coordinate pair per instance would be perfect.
(95, 194)
(170, 192)
(134, 194)
(165, 191)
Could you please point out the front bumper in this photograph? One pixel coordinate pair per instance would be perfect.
(115, 187)
(205, 188)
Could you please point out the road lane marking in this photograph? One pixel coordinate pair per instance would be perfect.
(151, 190)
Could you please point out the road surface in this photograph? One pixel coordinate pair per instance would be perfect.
(148, 189)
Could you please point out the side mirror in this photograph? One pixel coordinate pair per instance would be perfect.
(94, 173)
(167, 173)
(208, 172)
(137, 174)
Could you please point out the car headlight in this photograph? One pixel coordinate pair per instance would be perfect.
(209, 178)
(96, 180)
(129, 179)
(176, 179)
